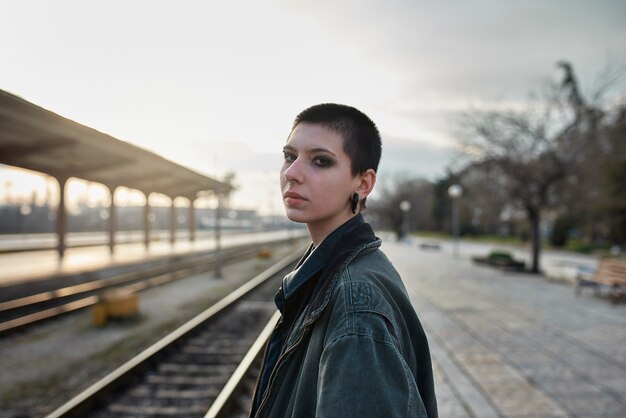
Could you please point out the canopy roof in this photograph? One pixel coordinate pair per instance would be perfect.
(37, 139)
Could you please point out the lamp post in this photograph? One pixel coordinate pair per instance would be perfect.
(405, 207)
(455, 192)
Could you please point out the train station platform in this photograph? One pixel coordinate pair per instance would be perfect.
(504, 344)
(514, 344)
(36, 265)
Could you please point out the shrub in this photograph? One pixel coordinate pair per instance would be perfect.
(499, 255)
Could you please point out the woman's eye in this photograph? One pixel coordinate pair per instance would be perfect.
(322, 162)
(289, 158)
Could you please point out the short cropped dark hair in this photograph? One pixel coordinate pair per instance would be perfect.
(361, 140)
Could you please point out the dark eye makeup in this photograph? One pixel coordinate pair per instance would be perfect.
(320, 161)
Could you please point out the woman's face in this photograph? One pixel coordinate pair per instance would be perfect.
(316, 179)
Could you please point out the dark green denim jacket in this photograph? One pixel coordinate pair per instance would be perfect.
(358, 348)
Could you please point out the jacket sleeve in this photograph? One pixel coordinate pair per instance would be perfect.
(361, 376)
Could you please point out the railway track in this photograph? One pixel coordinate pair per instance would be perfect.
(24, 311)
(204, 368)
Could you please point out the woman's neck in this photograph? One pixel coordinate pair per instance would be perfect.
(318, 231)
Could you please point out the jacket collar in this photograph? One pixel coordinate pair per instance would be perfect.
(355, 238)
(314, 259)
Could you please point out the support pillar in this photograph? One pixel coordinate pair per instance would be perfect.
(146, 221)
(112, 219)
(172, 223)
(192, 220)
(61, 218)
(218, 237)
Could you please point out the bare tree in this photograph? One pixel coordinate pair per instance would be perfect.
(418, 192)
(592, 198)
(530, 151)
(487, 203)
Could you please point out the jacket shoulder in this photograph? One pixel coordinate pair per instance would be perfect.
(372, 281)
(370, 299)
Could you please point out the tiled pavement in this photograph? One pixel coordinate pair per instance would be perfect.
(513, 344)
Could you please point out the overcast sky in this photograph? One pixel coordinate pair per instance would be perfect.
(215, 85)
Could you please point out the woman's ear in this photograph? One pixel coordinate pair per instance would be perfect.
(366, 183)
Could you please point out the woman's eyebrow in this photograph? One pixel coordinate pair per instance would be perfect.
(323, 150)
(313, 150)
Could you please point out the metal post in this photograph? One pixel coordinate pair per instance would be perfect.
(112, 219)
(192, 220)
(455, 225)
(406, 223)
(146, 221)
(405, 207)
(218, 237)
(61, 218)
(455, 191)
(173, 222)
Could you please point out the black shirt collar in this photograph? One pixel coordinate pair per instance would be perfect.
(316, 258)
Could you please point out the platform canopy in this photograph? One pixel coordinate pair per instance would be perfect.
(37, 139)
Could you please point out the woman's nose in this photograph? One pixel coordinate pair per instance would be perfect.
(293, 172)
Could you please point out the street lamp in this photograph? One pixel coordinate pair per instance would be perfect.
(405, 207)
(455, 192)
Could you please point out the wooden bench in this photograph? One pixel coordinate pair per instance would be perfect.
(611, 273)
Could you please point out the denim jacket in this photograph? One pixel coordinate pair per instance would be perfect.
(357, 349)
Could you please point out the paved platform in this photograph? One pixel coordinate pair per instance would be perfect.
(514, 344)
(27, 266)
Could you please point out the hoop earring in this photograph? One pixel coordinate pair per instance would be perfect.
(355, 202)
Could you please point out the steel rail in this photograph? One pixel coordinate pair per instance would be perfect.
(133, 282)
(222, 405)
(93, 285)
(80, 405)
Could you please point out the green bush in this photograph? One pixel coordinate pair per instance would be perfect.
(499, 255)
(580, 246)
(560, 231)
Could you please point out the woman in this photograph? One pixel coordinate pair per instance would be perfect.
(349, 343)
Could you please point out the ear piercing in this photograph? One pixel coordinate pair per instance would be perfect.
(355, 202)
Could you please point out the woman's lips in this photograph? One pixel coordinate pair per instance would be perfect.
(292, 198)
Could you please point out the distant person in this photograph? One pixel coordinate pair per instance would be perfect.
(349, 343)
